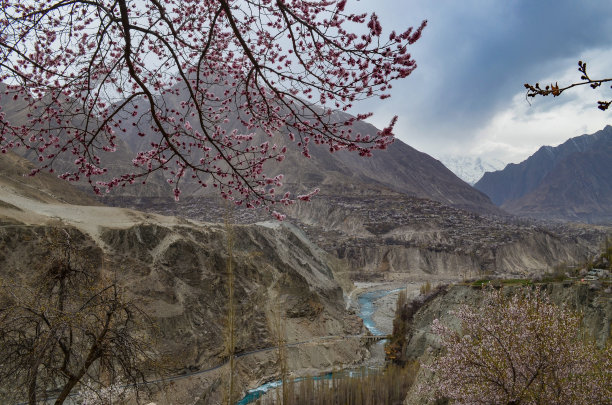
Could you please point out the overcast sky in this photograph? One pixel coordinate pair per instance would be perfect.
(467, 96)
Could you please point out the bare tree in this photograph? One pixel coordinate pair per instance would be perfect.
(67, 325)
(281, 343)
(230, 340)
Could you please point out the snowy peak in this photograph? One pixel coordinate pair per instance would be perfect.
(470, 168)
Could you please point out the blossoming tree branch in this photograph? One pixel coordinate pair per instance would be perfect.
(90, 71)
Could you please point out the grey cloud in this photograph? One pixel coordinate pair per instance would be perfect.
(475, 55)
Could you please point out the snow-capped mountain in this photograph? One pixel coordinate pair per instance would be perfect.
(469, 168)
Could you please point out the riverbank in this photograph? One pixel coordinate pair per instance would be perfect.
(375, 304)
(384, 306)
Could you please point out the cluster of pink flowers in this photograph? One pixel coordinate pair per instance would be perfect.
(92, 74)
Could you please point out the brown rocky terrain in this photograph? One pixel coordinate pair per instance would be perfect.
(384, 235)
(396, 235)
(177, 269)
(44, 187)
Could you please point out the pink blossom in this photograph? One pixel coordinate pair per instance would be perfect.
(519, 349)
(235, 73)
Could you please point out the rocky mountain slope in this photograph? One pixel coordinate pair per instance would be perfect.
(380, 234)
(44, 187)
(569, 182)
(400, 168)
(394, 237)
(178, 268)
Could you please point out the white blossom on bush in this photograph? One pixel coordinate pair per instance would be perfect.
(521, 349)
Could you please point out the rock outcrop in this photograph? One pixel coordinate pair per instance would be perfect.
(380, 234)
(393, 237)
(177, 270)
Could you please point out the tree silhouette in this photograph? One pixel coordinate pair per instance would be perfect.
(90, 70)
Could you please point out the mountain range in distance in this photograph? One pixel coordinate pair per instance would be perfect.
(569, 182)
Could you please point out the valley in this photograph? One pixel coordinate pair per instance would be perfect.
(317, 282)
(313, 271)
(177, 268)
(215, 203)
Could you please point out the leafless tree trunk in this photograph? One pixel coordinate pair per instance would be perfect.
(64, 325)
(282, 351)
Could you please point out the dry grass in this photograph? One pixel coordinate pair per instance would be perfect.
(425, 288)
(366, 388)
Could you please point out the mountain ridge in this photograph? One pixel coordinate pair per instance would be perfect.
(567, 182)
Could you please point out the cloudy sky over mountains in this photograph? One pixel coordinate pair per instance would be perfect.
(467, 95)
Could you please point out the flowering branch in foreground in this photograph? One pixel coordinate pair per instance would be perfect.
(91, 72)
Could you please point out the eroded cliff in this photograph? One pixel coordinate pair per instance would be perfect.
(390, 237)
(177, 270)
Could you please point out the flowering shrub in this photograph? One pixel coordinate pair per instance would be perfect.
(521, 349)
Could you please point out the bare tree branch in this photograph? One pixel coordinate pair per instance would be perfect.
(556, 90)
